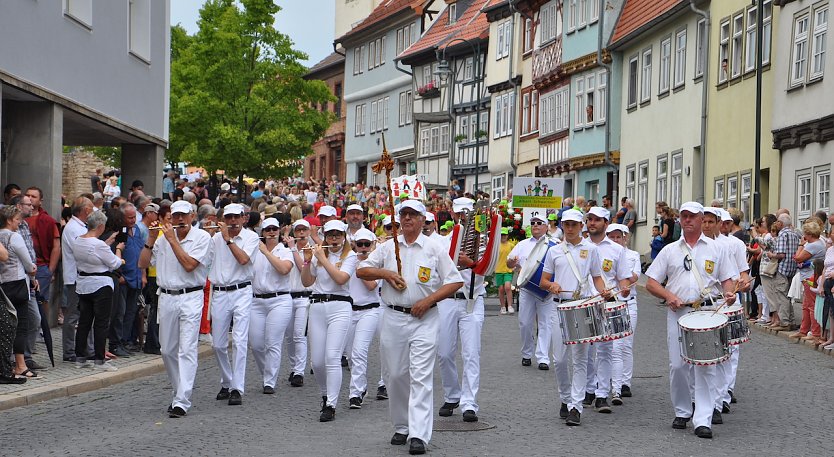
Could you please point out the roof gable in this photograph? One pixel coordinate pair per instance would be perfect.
(385, 10)
(472, 24)
(637, 14)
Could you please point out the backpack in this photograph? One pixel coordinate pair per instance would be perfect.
(676, 231)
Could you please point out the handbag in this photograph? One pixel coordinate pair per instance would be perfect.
(8, 306)
(768, 266)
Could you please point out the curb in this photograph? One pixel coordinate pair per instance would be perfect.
(785, 334)
(89, 383)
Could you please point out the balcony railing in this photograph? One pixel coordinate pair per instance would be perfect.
(465, 157)
(546, 60)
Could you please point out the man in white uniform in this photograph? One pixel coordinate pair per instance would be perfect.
(180, 256)
(410, 322)
(694, 266)
(231, 282)
(531, 307)
(622, 358)
(567, 268)
(354, 218)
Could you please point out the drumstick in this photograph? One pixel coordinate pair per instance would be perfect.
(725, 301)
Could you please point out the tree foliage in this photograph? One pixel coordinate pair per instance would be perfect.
(239, 102)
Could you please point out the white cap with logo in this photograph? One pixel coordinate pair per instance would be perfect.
(600, 212)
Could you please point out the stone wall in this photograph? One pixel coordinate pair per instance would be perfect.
(78, 167)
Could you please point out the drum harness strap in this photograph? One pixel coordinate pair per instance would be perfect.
(575, 270)
(705, 295)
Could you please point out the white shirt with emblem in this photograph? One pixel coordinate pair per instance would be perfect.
(170, 274)
(708, 260)
(266, 279)
(736, 251)
(586, 257)
(613, 263)
(225, 270)
(324, 283)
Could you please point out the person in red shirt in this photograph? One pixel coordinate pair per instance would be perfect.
(47, 244)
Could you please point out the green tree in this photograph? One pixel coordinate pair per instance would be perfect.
(238, 99)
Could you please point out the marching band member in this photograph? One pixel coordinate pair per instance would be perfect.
(622, 357)
(409, 323)
(567, 268)
(328, 269)
(530, 307)
(615, 268)
(297, 337)
(231, 283)
(694, 267)
(430, 228)
(355, 219)
(459, 324)
(364, 321)
(272, 305)
(181, 256)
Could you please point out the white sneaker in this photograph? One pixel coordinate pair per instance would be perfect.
(511, 310)
(205, 338)
(83, 364)
(503, 311)
(106, 366)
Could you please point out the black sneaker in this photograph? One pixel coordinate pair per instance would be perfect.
(625, 392)
(725, 408)
(448, 408)
(328, 413)
(417, 447)
(297, 380)
(601, 405)
(176, 412)
(526, 362)
(344, 362)
(589, 399)
(269, 390)
(223, 394)
(544, 367)
(120, 352)
(574, 418)
(399, 439)
(716, 417)
(235, 398)
(732, 397)
(381, 393)
(470, 416)
(616, 400)
(70, 358)
(355, 403)
(563, 411)
(703, 432)
(680, 423)
(291, 375)
(32, 365)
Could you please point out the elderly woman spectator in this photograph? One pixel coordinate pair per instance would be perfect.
(761, 239)
(8, 330)
(14, 281)
(827, 283)
(95, 262)
(811, 248)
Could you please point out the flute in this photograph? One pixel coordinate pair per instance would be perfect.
(310, 248)
(173, 227)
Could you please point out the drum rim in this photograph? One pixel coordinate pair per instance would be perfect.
(586, 302)
(615, 305)
(721, 359)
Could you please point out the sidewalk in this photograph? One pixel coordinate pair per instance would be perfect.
(64, 379)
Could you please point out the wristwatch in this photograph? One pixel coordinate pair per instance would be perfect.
(229, 242)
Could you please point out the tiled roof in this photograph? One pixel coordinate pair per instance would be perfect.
(638, 13)
(472, 24)
(385, 10)
(328, 61)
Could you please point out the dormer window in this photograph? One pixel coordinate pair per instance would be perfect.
(453, 13)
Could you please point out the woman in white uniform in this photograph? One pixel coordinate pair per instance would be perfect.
(272, 306)
(328, 268)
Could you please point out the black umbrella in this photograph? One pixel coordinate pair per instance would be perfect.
(47, 333)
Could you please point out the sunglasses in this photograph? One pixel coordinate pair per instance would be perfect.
(687, 263)
(429, 222)
(270, 229)
(388, 227)
(537, 223)
(363, 244)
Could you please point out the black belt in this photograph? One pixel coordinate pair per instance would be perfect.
(319, 298)
(407, 310)
(98, 273)
(364, 307)
(461, 296)
(233, 287)
(301, 294)
(271, 294)
(187, 290)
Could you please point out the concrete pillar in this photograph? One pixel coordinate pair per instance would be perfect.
(35, 145)
(143, 162)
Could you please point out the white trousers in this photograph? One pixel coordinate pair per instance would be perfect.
(224, 307)
(762, 298)
(688, 382)
(530, 309)
(297, 336)
(622, 359)
(726, 377)
(329, 323)
(456, 325)
(591, 370)
(365, 326)
(569, 357)
(409, 347)
(179, 330)
(268, 322)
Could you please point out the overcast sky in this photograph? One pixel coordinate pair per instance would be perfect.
(308, 22)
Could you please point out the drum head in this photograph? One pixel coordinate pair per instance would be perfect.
(532, 263)
(732, 309)
(581, 303)
(702, 321)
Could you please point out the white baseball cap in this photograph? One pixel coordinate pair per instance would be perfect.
(386, 220)
(461, 203)
(614, 227)
(300, 223)
(353, 207)
(539, 216)
(232, 208)
(270, 222)
(151, 208)
(416, 205)
(181, 206)
(364, 234)
(600, 212)
(429, 217)
(725, 215)
(714, 211)
(692, 207)
(573, 215)
(334, 225)
(327, 211)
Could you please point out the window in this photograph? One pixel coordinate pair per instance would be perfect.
(719, 189)
(548, 22)
(405, 108)
(665, 66)
(529, 35)
(80, 10)
(357, 60)
(800, 50)
(499, 114)
(662, 173)
(594, 11)
(504, 113)
(453, 13)
(767, 19)
(337, 92)
(571, 5)
(732, 191)
(582, 15)
(435, 140)
(140, 28)
(724, 51)
(646, 77)
(525, 113)
(373, 116)
(554, 115)
(750, 40)
(405, 36)
(384, 123)
(359, 120)
(590, 82)
(505, 31)
(508, 37)
(818, 42)
(824, 191)
(642, 190)
(534, 110)
(746, 191)
(371, 55)
(677, 180)
(602, 89)
(738, 36)
(630, 181)
(473, 127)
(376, 53)
(632, 81)
(701, 48)
(498, 187)
(425, 142)
(463, 129)
(680, 58)
(803, 195)
(468, 69)
(444, 138)
(579, 104)
(484, 127)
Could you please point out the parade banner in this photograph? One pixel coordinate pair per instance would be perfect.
(538, 196)
(409, 184)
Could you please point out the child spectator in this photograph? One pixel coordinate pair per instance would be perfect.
(657, 241)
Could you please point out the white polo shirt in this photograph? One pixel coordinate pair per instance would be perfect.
(74, 228)
(708, 260)
(361, 295)
(324, 284)
(170, 274)
(636, 268)
(225, 270)
(266, 279)
(426, 267)
(613, 263)
(522, 249)
(586, 257)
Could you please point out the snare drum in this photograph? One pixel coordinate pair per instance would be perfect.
(617, 320)
(704, 338)
(582, 321)
(737, 327)
(531, 272)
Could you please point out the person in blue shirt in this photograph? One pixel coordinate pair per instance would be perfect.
(657, 241)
